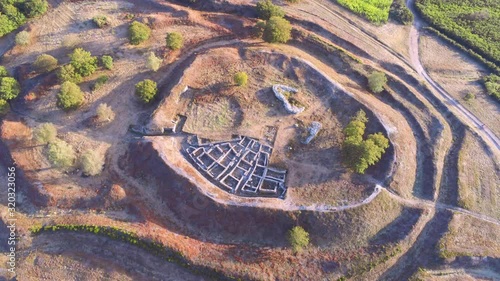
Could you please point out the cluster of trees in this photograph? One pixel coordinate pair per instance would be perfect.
(376, 11)
(14, 13)
(9, 89)
(359, 154)
(275, 29)
(400, 13)
(62, 155)
(471, 23)
(492, 85)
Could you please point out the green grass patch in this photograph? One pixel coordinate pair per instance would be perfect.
(376, 11)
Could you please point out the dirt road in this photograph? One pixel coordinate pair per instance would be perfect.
(451, 103)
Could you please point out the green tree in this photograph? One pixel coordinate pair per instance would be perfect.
(153, 62)
(23, 38)
(92, 162)
(107, 62)
(377, 81)
(61, 154)
(138, 33)
(70, 96)
(3, 71)
(9, 88)
(266, 10)
(45, 63)
(298, 238)
(45, 133)
(174, 40)
(83, 62)
(67, 73)
(278, 30)
(146, 90)
(35, 8)
(100, 21)
(14, 14)
(241, 78)
(4, 106)
(104, 113)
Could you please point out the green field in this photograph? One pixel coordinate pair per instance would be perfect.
(473, 23)
(376, 11)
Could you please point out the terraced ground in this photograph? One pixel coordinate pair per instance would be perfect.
(429, 209)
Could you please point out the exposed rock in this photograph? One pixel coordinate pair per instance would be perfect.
(278, 92)
(313, 131)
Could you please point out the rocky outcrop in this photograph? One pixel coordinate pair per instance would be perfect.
(279, 93)
(313, 131)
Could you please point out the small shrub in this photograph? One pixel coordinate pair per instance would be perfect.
(4, 107)
(92, 162)
(266, 10)
(153, 62)
(138, 33)
(298, 238)
(70, 96)
(83, 62)
(61, 154)
(22, 38)
(174, 40)
(100, 21)
(45, 133)
(469, 97)
(104, 113)
(377, 81)
(67, 73)
(146, 90)
(258, 29)
(100, 82)
(278, 30)
(241, 78)
(3, 71)
(9, 88)
(107, 62)
(45, 63)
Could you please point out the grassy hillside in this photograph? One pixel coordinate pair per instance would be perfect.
(474, 23)
(376, 11)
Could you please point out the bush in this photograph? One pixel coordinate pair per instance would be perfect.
(146, 90)
(34, 8)
(70, 96)
(100, 82)
(61, 154)
(45, 63)
(377, 81)
(241, 78)
(9, 88)
(174, 40)
(107, 62)
(83, 62)
(67, 73)
(298, 238)
(22, 38)
(400, 13)
(45, 133)
(4, 106)
(492, 85)
(3, 71)
(278, 30)
(359, 154)
(100, 21)
(104, 113)
(266, 10)
(469, 97)
(92, 162)
(258, 29)
(153, 62)
(138, 33)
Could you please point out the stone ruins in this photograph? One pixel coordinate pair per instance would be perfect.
(279, 91)
(239, 166)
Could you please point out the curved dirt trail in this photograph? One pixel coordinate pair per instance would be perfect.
(452, 103)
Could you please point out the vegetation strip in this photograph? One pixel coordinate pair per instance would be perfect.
(150, 246)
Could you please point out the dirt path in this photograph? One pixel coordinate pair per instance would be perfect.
(478, 126)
